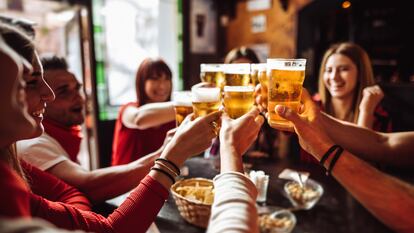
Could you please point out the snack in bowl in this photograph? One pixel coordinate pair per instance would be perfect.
(193, 198)
(280, 221)
(203, 194)
(303, 197)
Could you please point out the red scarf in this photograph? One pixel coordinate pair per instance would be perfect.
(68, 137)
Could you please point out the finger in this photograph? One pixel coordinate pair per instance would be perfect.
(187, 119)
(214, 116)
(259, 120)
(171, 132)
(288, 114)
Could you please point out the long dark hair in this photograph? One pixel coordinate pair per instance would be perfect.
(21, 43)
(241, 52)
(149, 68)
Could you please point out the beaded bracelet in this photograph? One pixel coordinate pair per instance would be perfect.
(165, 173)
(170, 163)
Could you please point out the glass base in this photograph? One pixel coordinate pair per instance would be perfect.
(281, 125)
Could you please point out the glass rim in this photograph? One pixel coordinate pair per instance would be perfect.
(181, 98)
(237, 68)
(258, 66)
(212, 67)
(239, 88)
(205, 94)
(280, 63)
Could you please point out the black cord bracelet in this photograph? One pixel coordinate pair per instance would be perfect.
(334, 160)
(165, 173)
(177, 169)
(327, 154)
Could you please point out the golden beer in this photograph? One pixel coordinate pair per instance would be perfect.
(238, 100)
(181, 112)
(256, 68)
(285, 77)
(237, 74)
(205, 100)
(182, 105)
(237, 79)
(213, 74)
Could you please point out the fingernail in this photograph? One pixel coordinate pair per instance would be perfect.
(280, 109)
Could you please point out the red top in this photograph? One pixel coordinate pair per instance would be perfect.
(54, 189)
(14, 194)
(137, 212)
(69, 138)
(382, 123)
(132, 144)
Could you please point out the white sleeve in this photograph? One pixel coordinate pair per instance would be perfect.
(42, 152)
(234, 206)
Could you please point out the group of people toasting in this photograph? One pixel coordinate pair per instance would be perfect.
(41, 178)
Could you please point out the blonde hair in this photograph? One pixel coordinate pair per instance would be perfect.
(365, 75)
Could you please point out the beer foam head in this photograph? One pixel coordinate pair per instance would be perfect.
(259, 66)
(286, 64)
(205, 94)
(182, 98)
(237, 68)
(238, 89)
(211, 67)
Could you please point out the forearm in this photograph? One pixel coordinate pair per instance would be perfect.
(151, 115)
(230, 159)
(387, 198)
(366, 119)
(234, 208)
(394, 149)
(105, 183)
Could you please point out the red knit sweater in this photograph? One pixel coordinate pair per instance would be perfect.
(137, 212)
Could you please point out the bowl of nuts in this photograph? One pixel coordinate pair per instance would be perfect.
(279, 221)
(303, 196)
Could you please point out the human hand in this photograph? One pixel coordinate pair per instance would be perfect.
(191, 138)
(240, 133)
(236, 136)
(260, 101)
(371, 97)
(308, 126)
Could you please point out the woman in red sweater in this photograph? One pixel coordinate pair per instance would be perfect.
(142, 125)
(145, 200)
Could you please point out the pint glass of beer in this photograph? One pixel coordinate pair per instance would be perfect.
(259, 70)
(238, 100)
(237, 74)
(182, 105)
(205, 100)
(285, 77)
(255, 69)
(213, 74)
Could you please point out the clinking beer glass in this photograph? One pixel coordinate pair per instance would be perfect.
(238, 100)
(285, 78)
(182, 105)
(237, 74)
(213, 74)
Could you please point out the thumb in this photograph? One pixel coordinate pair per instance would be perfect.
(288, 114)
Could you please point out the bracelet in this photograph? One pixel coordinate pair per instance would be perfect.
(327, 154)
(159, 163)
(165, 173)
(171, 163)
(334, 159)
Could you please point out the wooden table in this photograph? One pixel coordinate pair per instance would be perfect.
(337, 211)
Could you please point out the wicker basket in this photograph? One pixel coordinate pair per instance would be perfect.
(192, 211)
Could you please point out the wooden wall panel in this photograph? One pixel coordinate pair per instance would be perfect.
(281, 28)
